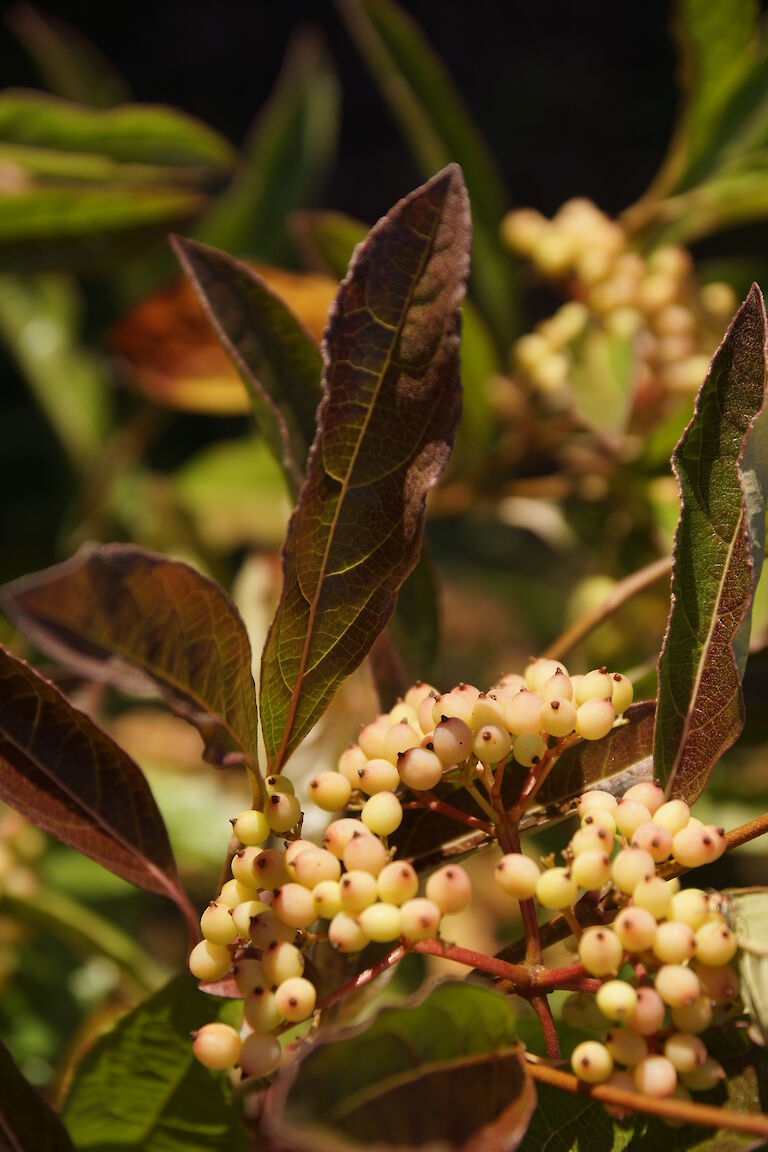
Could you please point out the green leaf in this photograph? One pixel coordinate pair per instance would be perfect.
(747, 909)
(438, 130)
(39, 321)
(69, 64)
(444, 1071)
(65, 774)
(140, 1088)
(27, 1123)
(131, 134)
(722, 468)
(326, 240)
(276, 358)
(290, 152)
(385, 428)
(147, 625)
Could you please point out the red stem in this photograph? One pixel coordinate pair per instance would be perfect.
(542, 1009)
(428, 800)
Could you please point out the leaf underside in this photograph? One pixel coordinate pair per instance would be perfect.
(146, 625)
(722, 468)
(385, 428)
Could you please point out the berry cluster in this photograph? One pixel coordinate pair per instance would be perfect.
(654, 301)
(262, 919)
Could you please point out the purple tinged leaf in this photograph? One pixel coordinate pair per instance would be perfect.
(65, 774)
(385, 428)
(27, 1123)
(147, 625)
(721, 464)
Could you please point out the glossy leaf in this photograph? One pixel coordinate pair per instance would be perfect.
(275, 356)
(150, 626)
(722, 468)
(69, 64)
(167, 350)
(140, 1088)
(385, 428)
(131, 134)
(326, 240)
(62, 772)
(287, 157)
(438, 129)
(27, 1123)
(747, 909)
(443, 1071)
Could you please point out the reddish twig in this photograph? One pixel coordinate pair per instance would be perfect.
(541, 1007)
(362, 978)
(430, 801)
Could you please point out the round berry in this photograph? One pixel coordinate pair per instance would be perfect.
(260, 1010)
(677, 985)
(690, 906)
(399, 739)
(656, 840)
(259, 1055)
(265, 927)
(685, 1051)
(283, 812)
(351, 761)
(397, 882)
(629, 867)
(630, 816)
(647, 794)
(622, 694)
(522, 713)
(596, 685)
(382, 813)
(424, 712)
(217, 1046)
(616, 999)
(591, 1062)
(242, 866)
(705, 1076)
(600, 818)
(420, 769)
(327, 898)
(626, 1047)
(558, 717)
(218, 927)
(269, 869)
(453, 706)
(592, 836)
(715, 943)
(295, 999)
(594, 719)
(648, 1015)
(419, 919)
(418, 692)
(450, 888)
(243, 914)
(517, 875)
(280, 961)
(233, 893)
(719, 983)
(251, 827)
(492, 743)
(538, 672)
(247, 975)
(294, 906)
(674, 943)
(655, 1076)
(695, 1017)
(654, 895)
(372, 738)
(314, 865)
(345, 934)
(600, 951)
(330, 791)
(380, 922)
(378, 776)
(636, 929)
(597, 798)
(357, 889)
(556, 889)
(624, 1082)
(591, 869)
(674, 815)
(452, 740)
(279, 784)
(293, 849)
(558, 687)
(339, 833)
(366, 853)
(528, 749)
(209, 961)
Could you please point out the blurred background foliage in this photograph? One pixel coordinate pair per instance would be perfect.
(285, 131)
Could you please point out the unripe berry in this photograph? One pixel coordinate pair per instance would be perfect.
(677, 985)
(629, 867)
(487, 709)
(345, 934)
(380, 922)
(558, 687)
(616, 999)
(418, 692)
(295, 999)
(648, 1015)
(315, 865)
(378, 776)
(715, 943)
(556, 889)
(330, 791)
(655, 839)
(695, 1017)
(209, 961)
(626, 1047)
(591, 838)
(597, 798)
(600, 951)
(419, 919)
(247, 975)
(685, 1051)
(397, 882)
(674, 815)
(424, 711)
(452, 706)
(365, 852)
(259, 1055)
(674, 942)
(420, 769)
(260, 1011)
(293, 905)
(218, 927)
(654, 895)
(251, 827)
(269, 869)
(596, 685)
(357, 889)
(690, 906)
(591, 1062)
(558, 717)
(528, 749)
(279, 784)
(522, 712)
(450, 888)
(600, 817)
(327, 898)
(382, 814)
(693, 846)
(647, 794)
(293, 849)
(399, 739)
(517, 875)
(492, 744)
(265, 927)
(243, 914)
(339, 833)
(233, 893)
(594, 719)
(704, 1077)
(283, 812)
(622, 694)
(242, 866)
(452, 740)
(372, 737)
(591, 869)
(636, 928)
(720, 983)
(511, 683)
(280, 961)
(351, 761)
(538, 672)
(217, 1046)
(655, 1076)
(630, 816)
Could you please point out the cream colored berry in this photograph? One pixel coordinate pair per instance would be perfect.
(251, 827)
(591, 1062)
(556, 889)
(630, 816)
(654, 895)
(260, 1010)
(217, 924)
(452, 740)
(522, 712)
(685, 1051)
(327, 898)
(280, 961)
(558, 717)
(382, 813)
(378, 775)
(616, 999)
(295, 999)
(626, 1047)
(622, 694)
(695, 1017)
(357, 889)
(597, 798)
(656, 840)
(528, 749)
(655, 1076)
(517, 875)
(314, 865)
(629, 867)
(420, 769)
(366, 853)
(283, 812)
(419, 919)
(217, 1046)
(209, 961)
(674, 815)
(690, 906)
(647, 794)
(345, 934)
(674, 943)
(591, 869)
(380, 922)
(259, 1055)
(330, 791)
(492, 743)
(351, 761)
(294, 906)
(397, 882)
(715, 943)
(648, 1015)
(594, 719)
(450, 888)
(636, 928)
(677, 985)
(600, 951)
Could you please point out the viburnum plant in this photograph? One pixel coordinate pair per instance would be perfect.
(664, 1015)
